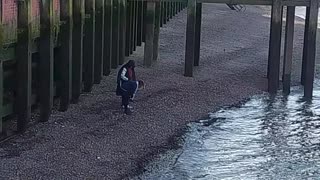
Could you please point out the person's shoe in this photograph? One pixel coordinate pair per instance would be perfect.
(130, 107)
(127, 111)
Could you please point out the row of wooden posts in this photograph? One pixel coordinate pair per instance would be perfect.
(93, 37)
(309, 48)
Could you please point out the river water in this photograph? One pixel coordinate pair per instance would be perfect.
(265, 138)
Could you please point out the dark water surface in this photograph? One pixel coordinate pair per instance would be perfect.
(266, 138)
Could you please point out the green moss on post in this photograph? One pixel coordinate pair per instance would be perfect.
(23, 56)
(107, 56)
(150, 24)
(77, 48)
(89, 45)
(65, 56)
(115, 34)
(99, 41)
(46, 59)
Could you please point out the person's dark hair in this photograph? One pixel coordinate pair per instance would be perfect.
(130, 63)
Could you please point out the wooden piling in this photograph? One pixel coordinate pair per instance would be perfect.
(164, 12)
(24, 60)
(305, 46)
(115, 34)
(99, 41)
(288, 48)
(65, 56)
(107, 54)
(133, 20)
(77, 48)
(122, 31)
(190, 41)
(46, 45)
(1, 97)
(144, 22)
(135, 25)
(275, 46)
(161, 14)
(89, 45)
(311, 48)
(198, 34)
(156, 32)
(150, 21)
(128, 28)
(139, 23)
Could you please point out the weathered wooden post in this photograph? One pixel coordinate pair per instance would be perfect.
(122, 32)
(129, 28)
(77, 48)
(288, 48)
(23, 55)
(156, 31)
(89, 45)
(311, 48)
(161, 14)
(99, 41)
(115, 34)
(150, 24)
(165, 13)
(107, 54)
(133, 21)
(135, 25)
(65, 56)
(171, 9)
(1, 94)
(139, 23)
(46, 45)
(275, 46)
(305, 46)
(144, 22)
(190, 42)
(198, 34)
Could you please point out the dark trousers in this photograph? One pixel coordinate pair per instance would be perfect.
(129, 88)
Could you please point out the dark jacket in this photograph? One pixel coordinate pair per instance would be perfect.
(119, 90)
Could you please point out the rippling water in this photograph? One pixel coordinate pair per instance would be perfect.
(266, 138)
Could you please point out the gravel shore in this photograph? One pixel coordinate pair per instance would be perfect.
(95, 140)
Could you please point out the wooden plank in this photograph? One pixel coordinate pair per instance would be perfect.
(115, 34)
(108, 37)
(311, 50)
(65, 56)
(89, 45)
(288, 48)
(128, 28)
(23, 55)
(99, 42)
(305, 46)
(190, 41)
(46, 46)
(198, 34)
(77, 48)
(275, 46)
(139, 23)
(150, 21)
(156, 32)
(122, 32)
